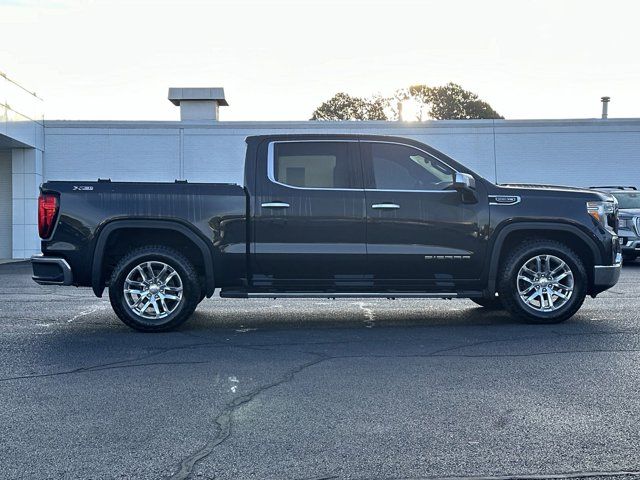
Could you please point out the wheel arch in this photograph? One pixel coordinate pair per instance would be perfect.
(195, 241)
(511, 234)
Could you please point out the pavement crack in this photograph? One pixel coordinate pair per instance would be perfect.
(224, 420)
(101, 366)
(127, 363)
(445, 352)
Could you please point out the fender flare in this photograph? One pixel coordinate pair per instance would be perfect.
(98, 283)
(496, 250)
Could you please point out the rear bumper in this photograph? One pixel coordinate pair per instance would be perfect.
(51, 271)
(606, 276)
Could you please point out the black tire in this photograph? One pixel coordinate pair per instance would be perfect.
(493, 303)
(191, 290)
(508, 286)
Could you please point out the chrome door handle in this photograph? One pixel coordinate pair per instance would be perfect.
(385, 205)
(275, 205)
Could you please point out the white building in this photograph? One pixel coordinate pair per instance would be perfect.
(199, 148)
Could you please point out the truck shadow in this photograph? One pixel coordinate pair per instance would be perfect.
(244, 331)
(212, 338)
(341, 314)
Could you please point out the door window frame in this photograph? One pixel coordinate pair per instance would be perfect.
(271, 165)
(368, 174)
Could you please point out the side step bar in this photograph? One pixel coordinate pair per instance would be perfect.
(333, 295)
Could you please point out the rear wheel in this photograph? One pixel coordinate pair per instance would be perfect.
(154, 289)
(543, 281)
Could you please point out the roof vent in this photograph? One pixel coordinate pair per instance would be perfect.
(605, 107)
(198, 104)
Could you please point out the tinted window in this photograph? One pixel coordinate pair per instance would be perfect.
(399, 167)
(316, 164)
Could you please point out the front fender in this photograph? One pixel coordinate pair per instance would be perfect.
(495, 251)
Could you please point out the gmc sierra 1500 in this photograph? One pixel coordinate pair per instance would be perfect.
(330, 216)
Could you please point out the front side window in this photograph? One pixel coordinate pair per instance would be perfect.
(400, 167)
(316, 164)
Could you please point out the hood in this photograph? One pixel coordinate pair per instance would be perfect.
(562, 190)
(629, 212)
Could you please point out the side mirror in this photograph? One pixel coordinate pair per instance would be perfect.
(466, 185)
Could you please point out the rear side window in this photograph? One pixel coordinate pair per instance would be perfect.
(316, 164)
(400, 167)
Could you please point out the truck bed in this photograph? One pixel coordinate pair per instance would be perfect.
(216, 213)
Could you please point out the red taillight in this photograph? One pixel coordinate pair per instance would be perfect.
(47, 210)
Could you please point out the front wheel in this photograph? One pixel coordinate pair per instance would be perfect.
(154, 289)
(543, 281)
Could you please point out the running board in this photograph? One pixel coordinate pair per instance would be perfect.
(333, 295)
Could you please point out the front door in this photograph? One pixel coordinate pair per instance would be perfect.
(309, 222)
(420, 234)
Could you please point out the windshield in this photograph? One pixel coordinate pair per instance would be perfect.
(627, 199)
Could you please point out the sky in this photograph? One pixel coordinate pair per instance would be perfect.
(278, 60)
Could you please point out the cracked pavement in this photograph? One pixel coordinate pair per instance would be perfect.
(317, 389)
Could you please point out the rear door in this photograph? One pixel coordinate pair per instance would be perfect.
(420, 235)
(309, 223)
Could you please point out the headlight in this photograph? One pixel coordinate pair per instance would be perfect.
(600, 211)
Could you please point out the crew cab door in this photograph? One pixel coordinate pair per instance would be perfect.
(420, 234)
(309, 221)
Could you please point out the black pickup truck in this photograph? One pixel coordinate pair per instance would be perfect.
(330, 216)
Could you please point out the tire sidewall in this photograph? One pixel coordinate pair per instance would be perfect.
(509, 289)
(190, 294)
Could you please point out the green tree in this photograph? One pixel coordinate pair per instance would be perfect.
(343, 106)
(452, 102)
(448, 102)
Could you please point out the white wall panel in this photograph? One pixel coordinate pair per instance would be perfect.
(6, 207)
(122, 155)
(579, 152)
(214, 158)
(26, 178)
(605, 157)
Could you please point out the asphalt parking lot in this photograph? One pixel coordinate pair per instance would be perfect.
(316, 389)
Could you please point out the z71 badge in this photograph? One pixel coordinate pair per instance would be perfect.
(82, 188)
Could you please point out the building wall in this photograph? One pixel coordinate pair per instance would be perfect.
(573, 152)
(6, 209)
(21, 144)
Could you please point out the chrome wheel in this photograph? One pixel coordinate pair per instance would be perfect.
(153, 290)
(545, 283)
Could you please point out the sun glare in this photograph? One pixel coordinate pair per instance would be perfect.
(411, 111)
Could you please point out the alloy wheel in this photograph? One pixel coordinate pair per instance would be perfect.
(153, 290)
(545, 283)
